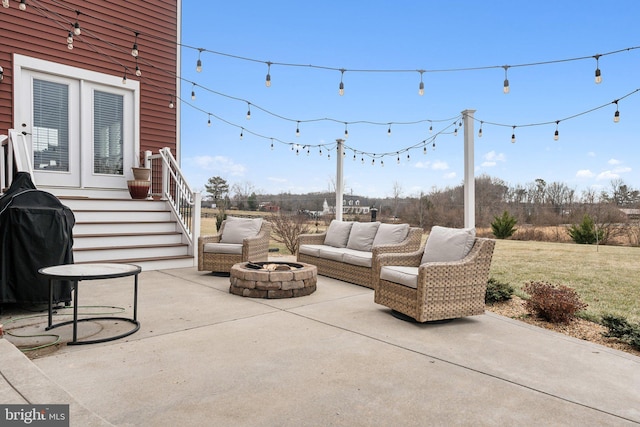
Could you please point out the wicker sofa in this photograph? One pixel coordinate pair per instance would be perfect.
(428, 287)
(347, 251)
(238, 240)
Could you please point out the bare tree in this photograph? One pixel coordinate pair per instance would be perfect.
(287, 227)
(397, 192)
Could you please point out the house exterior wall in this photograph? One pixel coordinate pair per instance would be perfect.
(108, 33)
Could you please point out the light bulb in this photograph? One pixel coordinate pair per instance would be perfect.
(209, 122)
(76, 29)
(171, 104)
(480, 133)
(616, 116)
(268, 80)
(272, 146)
(505, 89)
(398, 160)
(199, 65)
(249, 114)
(124, 79)
(193, 95)
(23, 5)
(5, 3)
(328, 156)
(138, 72)
(242, 134)
(556, 135)
(389, 131)
(70, 46)
(362, 160)
(70, 38)
(598, 76)
(134, 50)
(424, 149)
(455, 132)
(382, 163)
(421, 89)
(431, 129)
(408, 158)
(297, 131)
(341, 90)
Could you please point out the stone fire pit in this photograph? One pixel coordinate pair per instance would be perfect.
(273, 279)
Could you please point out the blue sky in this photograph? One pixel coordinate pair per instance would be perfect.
(409, 35)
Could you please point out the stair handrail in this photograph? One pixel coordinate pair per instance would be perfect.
(168, 182)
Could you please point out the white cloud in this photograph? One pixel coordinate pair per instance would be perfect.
(422, 165)
(492, 156)
(614, 162)
(488, 164)
(450, 175)
(608, 175)
(584, 173)
(277, 180)
(591, 154)
(218, 164)
(622, 169)
(440, 165)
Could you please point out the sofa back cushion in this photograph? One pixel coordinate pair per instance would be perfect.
(391, 234)
(237, 229)
(362, 235)
(448, 244)
(338, 233)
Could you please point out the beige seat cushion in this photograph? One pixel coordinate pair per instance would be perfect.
(407, 276)
(360, 258)
(223, 248)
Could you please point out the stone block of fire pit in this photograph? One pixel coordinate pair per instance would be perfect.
(273, 280)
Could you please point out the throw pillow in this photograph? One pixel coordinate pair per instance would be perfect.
(448, 244)
(338, 233)
(391, 234)
(237, 229)
(362, 235)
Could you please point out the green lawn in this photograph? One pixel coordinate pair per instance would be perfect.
(605, 277)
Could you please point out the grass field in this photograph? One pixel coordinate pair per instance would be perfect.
(607, 278)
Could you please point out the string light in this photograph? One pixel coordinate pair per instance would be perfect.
(556, 135)
(354, 156)
(268, 78)
(124, 78)
(421, 86)
(298, 129)
(389, 130)
(513, 135)
(424, 149)
(381, 163)
(480, 130)
(616, 115)
(248, 111)
(70, 41)
(23, 5)
(408, 157)
(341, 87)
(138, 72)
(362, 159)
(346, 131)
(199, 62)
(373, 162)
(430, 128)
(76, 27)
(455, 132)
(134, 50)
(598, 74)
(193, 92)
(5, 3)
(398, 160)
(320, 152)
(242, 134)
(171, 102)
(271, 144)
(505, 89)
(209, 123)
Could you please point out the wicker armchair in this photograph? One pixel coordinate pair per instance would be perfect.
(253, 249)
(444, 290)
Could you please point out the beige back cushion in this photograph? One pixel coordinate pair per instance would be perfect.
(237, 229)
(338, 233)
(448, 244)
(362, 235)
(391, 234)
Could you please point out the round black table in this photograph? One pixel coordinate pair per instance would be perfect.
(94, 271)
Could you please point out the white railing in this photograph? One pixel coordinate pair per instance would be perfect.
(16, 153)
(168, 183)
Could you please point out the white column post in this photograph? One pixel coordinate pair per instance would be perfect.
(469, 176)
(339, 179)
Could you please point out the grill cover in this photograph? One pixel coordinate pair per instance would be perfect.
(35, 232)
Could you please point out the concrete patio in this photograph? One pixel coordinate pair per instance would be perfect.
(333, 358)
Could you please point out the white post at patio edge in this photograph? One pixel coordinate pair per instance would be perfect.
(469, 175)
(339, 184)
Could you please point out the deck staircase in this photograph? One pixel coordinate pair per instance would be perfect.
(141, 232)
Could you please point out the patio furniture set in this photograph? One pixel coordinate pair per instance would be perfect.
(444, 279)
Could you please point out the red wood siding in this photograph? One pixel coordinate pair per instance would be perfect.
(108, 32)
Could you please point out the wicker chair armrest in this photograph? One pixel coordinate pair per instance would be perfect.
(311, 239)
(214, 238)
(407, 259)
(411, 243)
